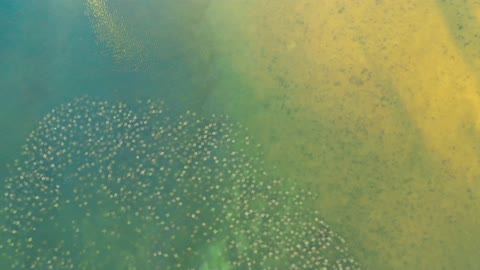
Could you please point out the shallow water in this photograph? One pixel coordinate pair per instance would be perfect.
(371, 105)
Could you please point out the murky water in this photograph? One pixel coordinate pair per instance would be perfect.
(372, 106)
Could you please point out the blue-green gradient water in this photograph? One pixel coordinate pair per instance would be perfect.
(129, 133)
(112, 157)
(51, 54)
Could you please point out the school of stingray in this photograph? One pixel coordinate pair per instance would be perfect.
(103, 184)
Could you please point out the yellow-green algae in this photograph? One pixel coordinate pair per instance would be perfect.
(372, 103)
(375, 103)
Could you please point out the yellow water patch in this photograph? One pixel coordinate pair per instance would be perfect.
(376, 104)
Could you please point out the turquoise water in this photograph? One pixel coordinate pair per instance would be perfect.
(51, 55)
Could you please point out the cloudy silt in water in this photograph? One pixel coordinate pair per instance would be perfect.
(106, 185)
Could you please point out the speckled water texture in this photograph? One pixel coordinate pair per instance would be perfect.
(371, 105)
